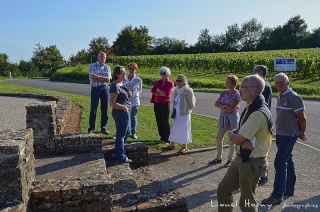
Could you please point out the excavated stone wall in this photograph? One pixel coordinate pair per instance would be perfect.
(17, 168)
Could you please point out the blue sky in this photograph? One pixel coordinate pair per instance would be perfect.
(71, 24)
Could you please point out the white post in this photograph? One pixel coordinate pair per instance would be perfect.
(10, 75)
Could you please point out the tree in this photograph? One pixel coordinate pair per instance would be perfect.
(28, 69)
(264, 41)
(132, 41)
(204, 43)
(168, 45)
(294, 32)
(96, 45)
(4, 64)
(250, 34)
(230, 41)
(82, 57)
(47, 60)
(313, 40)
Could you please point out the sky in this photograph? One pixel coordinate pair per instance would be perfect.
(72, 24)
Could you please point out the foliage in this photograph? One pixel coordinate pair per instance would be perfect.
(132, 41)
(96, 45)
(4, 64)
(29, 69)
(205, 42)
(47, 60)
(168, 45)
(82, 57)
(250, 35)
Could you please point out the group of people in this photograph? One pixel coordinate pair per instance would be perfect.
(252, 138)
(249, 134)
(122, 96)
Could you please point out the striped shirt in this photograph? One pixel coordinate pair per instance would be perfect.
(288, 104)
(104, 71)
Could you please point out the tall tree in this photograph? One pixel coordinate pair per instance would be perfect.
(168, 45)
(4, 64)
(313, 40)
(96, 45)
(48, 59)
(132, 41)
(294, 32)
(251, 32)
(205, 41)
(82, 57)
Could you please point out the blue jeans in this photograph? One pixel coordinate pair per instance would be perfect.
(285, 177)
(96, 94)
(133, 119)
(121, 120)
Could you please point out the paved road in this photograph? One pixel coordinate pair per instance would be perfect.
(197, 182)
(204, 104)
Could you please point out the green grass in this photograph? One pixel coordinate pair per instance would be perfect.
(204, 128)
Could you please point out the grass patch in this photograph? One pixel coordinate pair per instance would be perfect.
(204, 128)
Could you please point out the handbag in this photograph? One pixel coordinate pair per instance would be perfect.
(174, 113)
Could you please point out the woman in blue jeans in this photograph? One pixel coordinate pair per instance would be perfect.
(119, 100)
(134, 84)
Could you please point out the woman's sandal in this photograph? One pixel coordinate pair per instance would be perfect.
(182, 150)
(167, 148)
(271, 201)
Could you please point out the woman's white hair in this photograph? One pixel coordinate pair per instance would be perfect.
(165, 70)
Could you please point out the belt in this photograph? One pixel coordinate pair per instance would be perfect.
(98, 86)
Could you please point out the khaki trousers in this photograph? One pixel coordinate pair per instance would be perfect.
(244, 176)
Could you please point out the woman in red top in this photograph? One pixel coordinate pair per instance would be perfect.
(162, 90)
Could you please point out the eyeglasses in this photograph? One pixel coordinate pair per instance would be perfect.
(178, 81)
(162, 73)
(131, 69)
(123, 73)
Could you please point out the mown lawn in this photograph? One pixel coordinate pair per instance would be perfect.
(204, 128)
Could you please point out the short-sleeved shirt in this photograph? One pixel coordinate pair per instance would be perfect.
(288, 104)
(256, 127)
(226, 99)
(96, 68)
(122, 98)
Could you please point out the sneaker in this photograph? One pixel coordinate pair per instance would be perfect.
(127, 160)
(134, 136)
(215, 161)
(227, 164)
(263, 180)
(90, 131)
(105, 132)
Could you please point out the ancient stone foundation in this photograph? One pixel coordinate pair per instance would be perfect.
(72, 172)
(17, 168)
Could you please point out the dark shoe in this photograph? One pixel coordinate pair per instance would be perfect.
(134, 136)
(167, 148)
(263, 180)
(215, 161)
(288, 194)
(105, 132)
(271, 201)
(227, 164)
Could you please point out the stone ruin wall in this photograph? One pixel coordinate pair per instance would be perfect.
(45, 124)
(17, 169)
